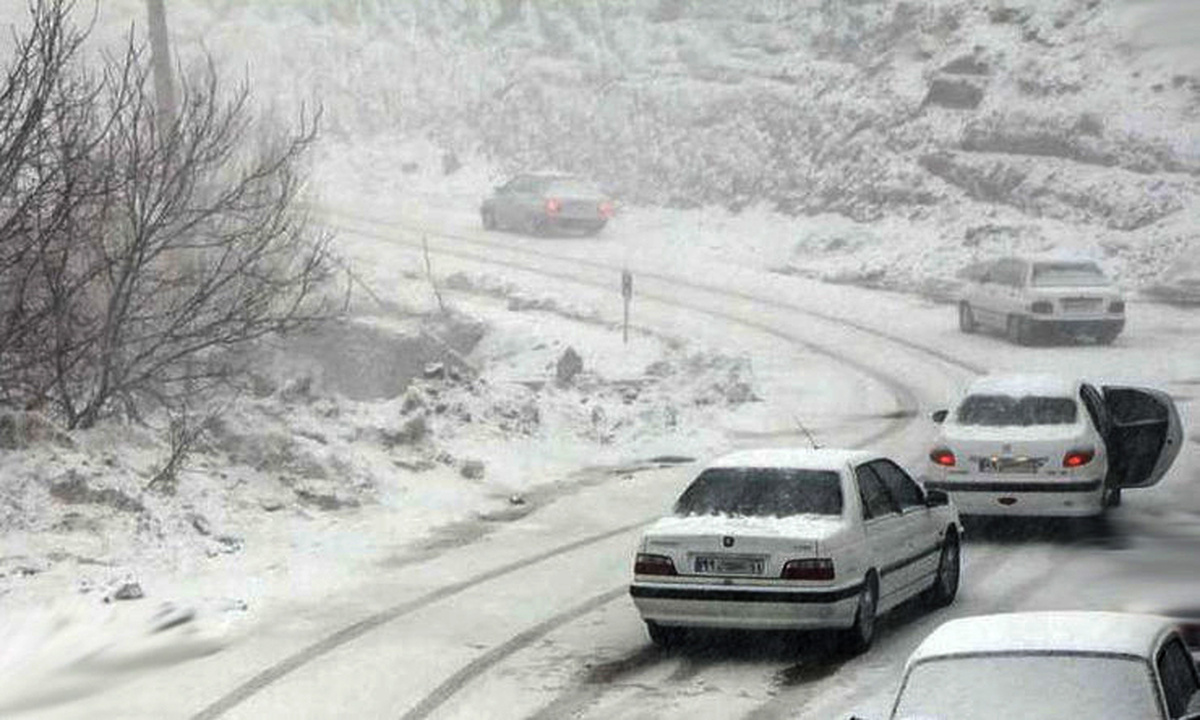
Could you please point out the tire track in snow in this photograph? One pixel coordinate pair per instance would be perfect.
(661, 277)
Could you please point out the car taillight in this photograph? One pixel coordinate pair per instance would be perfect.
(1042, 307)
(553, 206)
(942, 456)
(1116, 306)
(647, 564)
(1078, 458)
(808, 569)
(607, 209)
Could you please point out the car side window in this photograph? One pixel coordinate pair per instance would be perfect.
(1177, 671)
(899, 484)
(1009, 271)
(1095, 408)
(876, 500)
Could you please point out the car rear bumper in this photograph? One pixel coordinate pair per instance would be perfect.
(1024, 498)
(576, 223)
(747, 608)
(1079, 326)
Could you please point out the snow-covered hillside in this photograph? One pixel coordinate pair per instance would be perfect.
(946, 130)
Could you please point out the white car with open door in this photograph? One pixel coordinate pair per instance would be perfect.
(796, 539)
(1050, 666)
(1044, 445)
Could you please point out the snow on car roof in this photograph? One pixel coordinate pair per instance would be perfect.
(1059, 255)
(1066, 631)
(1022, 384)
(799, 458)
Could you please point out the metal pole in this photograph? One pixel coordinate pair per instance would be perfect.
(160, 55)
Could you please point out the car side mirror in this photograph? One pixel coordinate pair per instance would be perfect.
(936, 498)
(939, 416)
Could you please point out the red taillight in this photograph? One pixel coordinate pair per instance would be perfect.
(607, 210)
(808, 569)
(646, 564)
(1078, 458)
(942, 456)
(553, 206)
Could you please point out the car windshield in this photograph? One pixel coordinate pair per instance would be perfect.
(762, 492)
(1001, 410)
(1030, 687)
(1070, 274)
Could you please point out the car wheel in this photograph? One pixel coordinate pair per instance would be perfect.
(966, 318)
(489, 219)
(594, 229)
(664, 636)
(945, 584)
(1018, 330)
(858, 638)
(1107, 337)
(1113, 498)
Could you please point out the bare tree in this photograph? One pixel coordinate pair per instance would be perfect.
(134, 253)
(208, 248)
(48, 129)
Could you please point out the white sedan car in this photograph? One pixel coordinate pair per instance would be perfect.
(796, 539)
(1049, 666)
(1043, 445)
(1027, 298)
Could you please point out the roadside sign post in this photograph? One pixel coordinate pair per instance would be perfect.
(627, 295)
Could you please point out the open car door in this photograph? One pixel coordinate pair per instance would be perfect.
(1145, 436)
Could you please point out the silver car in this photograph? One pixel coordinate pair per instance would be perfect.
(1029, 298)
(544, 203)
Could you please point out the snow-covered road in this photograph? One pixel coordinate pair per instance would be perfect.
(534, 620)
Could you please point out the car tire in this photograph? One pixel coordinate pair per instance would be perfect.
(1107, 337)
(663, 636)
(949, 572)
(489, 219)
(1113, 498)
(539, 226)
(858, 637)
(595, 229)
(1017, 330)
(966, 318)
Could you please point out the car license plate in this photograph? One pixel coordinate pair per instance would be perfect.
(729, 565)
(1081, 304)
(1028, 466)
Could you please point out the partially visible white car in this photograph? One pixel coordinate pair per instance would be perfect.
(796, 539)
(1051, 666)
(1045, 445)
(1028, 298)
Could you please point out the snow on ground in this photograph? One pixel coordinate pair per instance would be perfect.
(332, 459)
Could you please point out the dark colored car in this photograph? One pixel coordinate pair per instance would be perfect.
(544, 203)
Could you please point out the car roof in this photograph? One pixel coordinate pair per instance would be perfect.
(1054, 256)
(550, 175)
(1060, 631)
(800, 458)
(1020, 384)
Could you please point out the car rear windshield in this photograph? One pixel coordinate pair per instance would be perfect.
(1001, 410)
(1070, 274)
(572, 187)
(762, 492)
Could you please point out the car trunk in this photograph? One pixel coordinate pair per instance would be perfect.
(738, 547)
(1008, 451)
